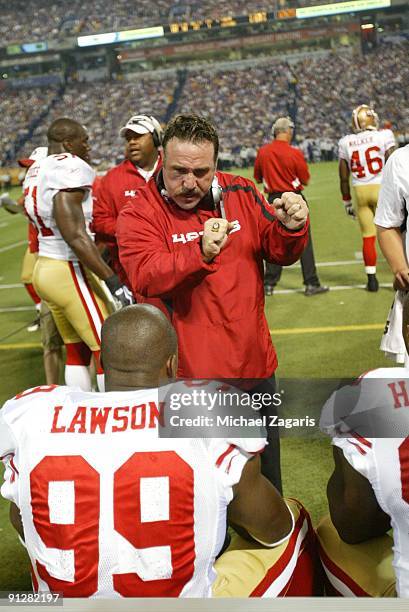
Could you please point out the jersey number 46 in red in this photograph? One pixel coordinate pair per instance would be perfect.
(81, 538)
(374, 163)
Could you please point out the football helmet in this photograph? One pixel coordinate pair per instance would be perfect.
(364, 118)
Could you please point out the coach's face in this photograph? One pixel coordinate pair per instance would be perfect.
(188, 171)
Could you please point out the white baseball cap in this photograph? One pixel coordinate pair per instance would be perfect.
(142, 124)
(36, 155)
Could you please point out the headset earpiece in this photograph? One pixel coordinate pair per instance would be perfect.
(215, 192)
(161, 186)
(157, 132)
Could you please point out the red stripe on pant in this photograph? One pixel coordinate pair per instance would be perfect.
(32, 293)
(341, 575)
(275, 571)
(97, 308)
(90, 319)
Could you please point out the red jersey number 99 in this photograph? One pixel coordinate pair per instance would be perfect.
(79, 535)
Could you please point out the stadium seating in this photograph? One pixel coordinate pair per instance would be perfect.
(33, 20)
(103, 108)
(243, 100)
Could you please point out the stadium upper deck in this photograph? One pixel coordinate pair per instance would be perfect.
(34, 20)
(242, 100)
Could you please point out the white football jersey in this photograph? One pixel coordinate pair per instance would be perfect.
(109, 508)
(393, 201)
(56, 173)
(365, 154)
(383, 397)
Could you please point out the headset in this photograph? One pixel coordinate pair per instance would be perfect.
(212, 199)
(149, 123)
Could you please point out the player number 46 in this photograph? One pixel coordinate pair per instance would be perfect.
(374, 163)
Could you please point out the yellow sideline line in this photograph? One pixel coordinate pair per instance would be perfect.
(274, 332)
(324, 330)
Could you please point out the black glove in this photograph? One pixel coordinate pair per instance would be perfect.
(120, 292)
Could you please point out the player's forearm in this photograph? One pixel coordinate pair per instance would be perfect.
(390, 241)
(88, 254)
(354, 519)
(345, 188)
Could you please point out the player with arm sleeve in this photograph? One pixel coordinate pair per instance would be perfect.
(69, 268)
(368, 492)
(68, 454)
(362, 156)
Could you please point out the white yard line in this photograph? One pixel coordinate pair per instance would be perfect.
(17, 309)
(13, 286)
(331, 288)
(12, 246)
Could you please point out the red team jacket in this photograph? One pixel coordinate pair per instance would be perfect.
(218, 308)
(112, 193)
(281, 167)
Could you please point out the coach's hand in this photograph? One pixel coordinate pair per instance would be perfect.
(215, 234)
(291, 210)
(120, 292)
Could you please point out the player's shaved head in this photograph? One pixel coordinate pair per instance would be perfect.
(137, 345)
(63, 129)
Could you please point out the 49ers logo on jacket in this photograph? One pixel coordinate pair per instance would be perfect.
(189, 236)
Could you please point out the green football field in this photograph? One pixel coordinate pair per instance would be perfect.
(334, 335)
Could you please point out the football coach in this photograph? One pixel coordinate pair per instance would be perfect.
(282, 168)
(197, 238)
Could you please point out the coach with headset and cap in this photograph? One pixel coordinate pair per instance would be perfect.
(281, 167)
(142, 134)
(196, 238)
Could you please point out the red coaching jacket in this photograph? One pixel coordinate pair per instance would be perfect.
(218, 308)
(112, 192)
(281, 167)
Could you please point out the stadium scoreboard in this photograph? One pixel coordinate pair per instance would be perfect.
(222, 22)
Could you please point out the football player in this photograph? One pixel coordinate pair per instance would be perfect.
(30, 255)
(69, 269)
(50, 338)
(109, 508)
(362, 155)
(368, 492)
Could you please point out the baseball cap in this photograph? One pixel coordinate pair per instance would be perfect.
(36, 155)
(141, 124)
(282, 123)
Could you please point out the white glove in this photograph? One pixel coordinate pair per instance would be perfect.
(349, 209)
(5, 200)
(120, 292)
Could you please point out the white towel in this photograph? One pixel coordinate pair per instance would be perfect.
(392, 340)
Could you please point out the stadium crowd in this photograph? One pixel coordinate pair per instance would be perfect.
(304, 89)
(35, 20)
(102, 107)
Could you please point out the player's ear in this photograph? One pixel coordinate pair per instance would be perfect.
(172, 366)
(67, 144)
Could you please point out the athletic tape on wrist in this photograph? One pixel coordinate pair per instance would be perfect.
(284, 539)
